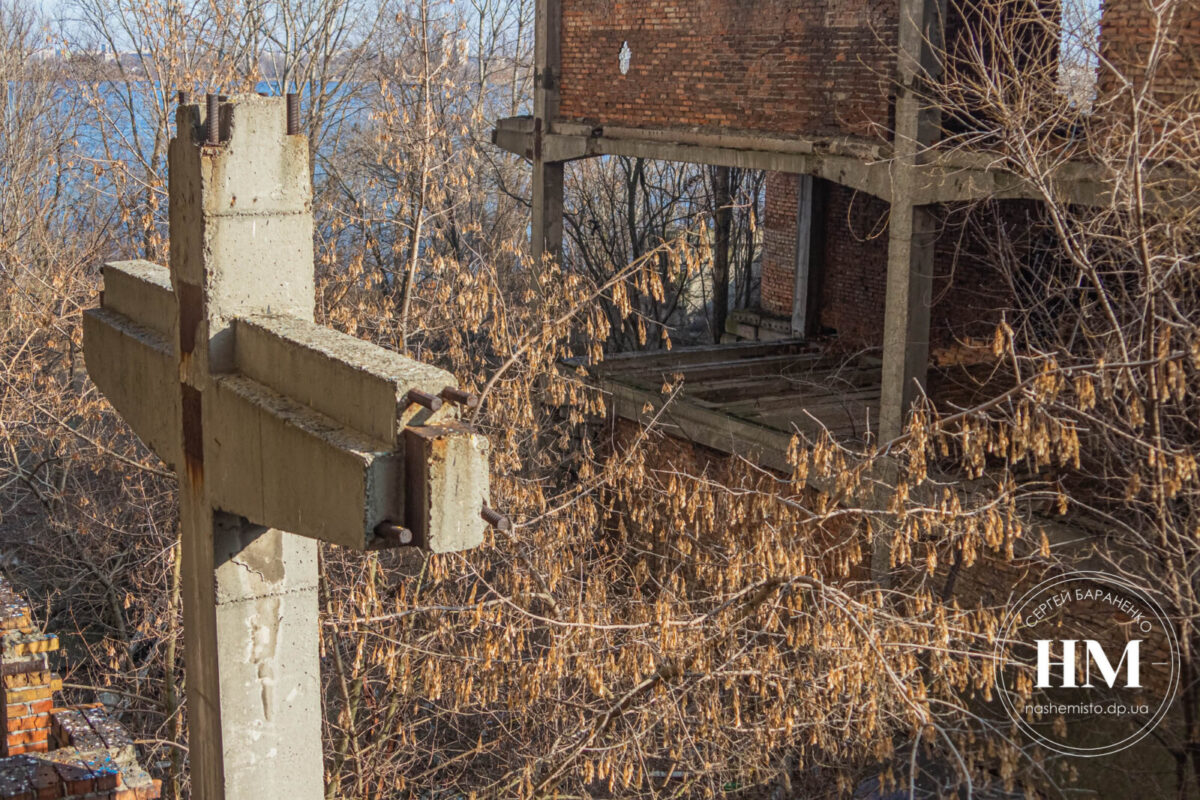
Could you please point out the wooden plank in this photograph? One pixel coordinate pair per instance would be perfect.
(848, 421)
(725, 370)
(691, 355)
(711, 429)
(734, 390)
(796, 402)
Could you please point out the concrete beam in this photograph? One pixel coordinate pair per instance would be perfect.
(447, 481)
(134, 366)
(302, 360)
(142, 292)
(283, 465)
(871, 178)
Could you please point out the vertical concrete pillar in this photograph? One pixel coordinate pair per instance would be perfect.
(804, 236)
(910, 229)
(241, 242)
(267, 656)
(546, 230)
(911, 236)
(812, 196)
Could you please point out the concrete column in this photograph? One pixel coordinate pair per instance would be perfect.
(910, 229)
(811, 197)
(546, 230)
(911, 236)
(241, 242)
(267, 646)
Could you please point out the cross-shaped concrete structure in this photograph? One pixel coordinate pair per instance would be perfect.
(272, 423)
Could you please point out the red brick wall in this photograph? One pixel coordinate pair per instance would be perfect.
(854, 287)
(1127, 32)
(855, 255)
(969, 293)
(771, 66)
(779, 244)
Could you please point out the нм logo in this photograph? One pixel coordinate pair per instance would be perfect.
(1094, 655)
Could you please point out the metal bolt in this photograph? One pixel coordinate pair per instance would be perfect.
(497, 520)
(392, 535)
(182, 97)
(293, 113)
(430, 401)
(212, 126)
(459, 397)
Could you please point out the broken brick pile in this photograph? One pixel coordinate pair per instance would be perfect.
(47, 752)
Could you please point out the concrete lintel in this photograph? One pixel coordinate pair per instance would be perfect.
(969, 179)
(858, 148)
(302, 360)
(871, 178)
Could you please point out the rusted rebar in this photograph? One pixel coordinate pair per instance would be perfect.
(497, 520)
(430, 401)
(390, 534)
(212, 125)
(459, 397)
(293, 113)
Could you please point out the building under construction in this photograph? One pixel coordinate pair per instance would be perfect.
(862, 251)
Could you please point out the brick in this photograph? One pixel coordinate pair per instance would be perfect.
(23, 672)
(44, 779)
(30, 694)
(32, 747)
(72, 729)
(14, 780)
(28, 736)
(781, 68)
(93, 756)
(75, 778)
(1127, 36)
(968, 296)
(108, 729)
(106, 773)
